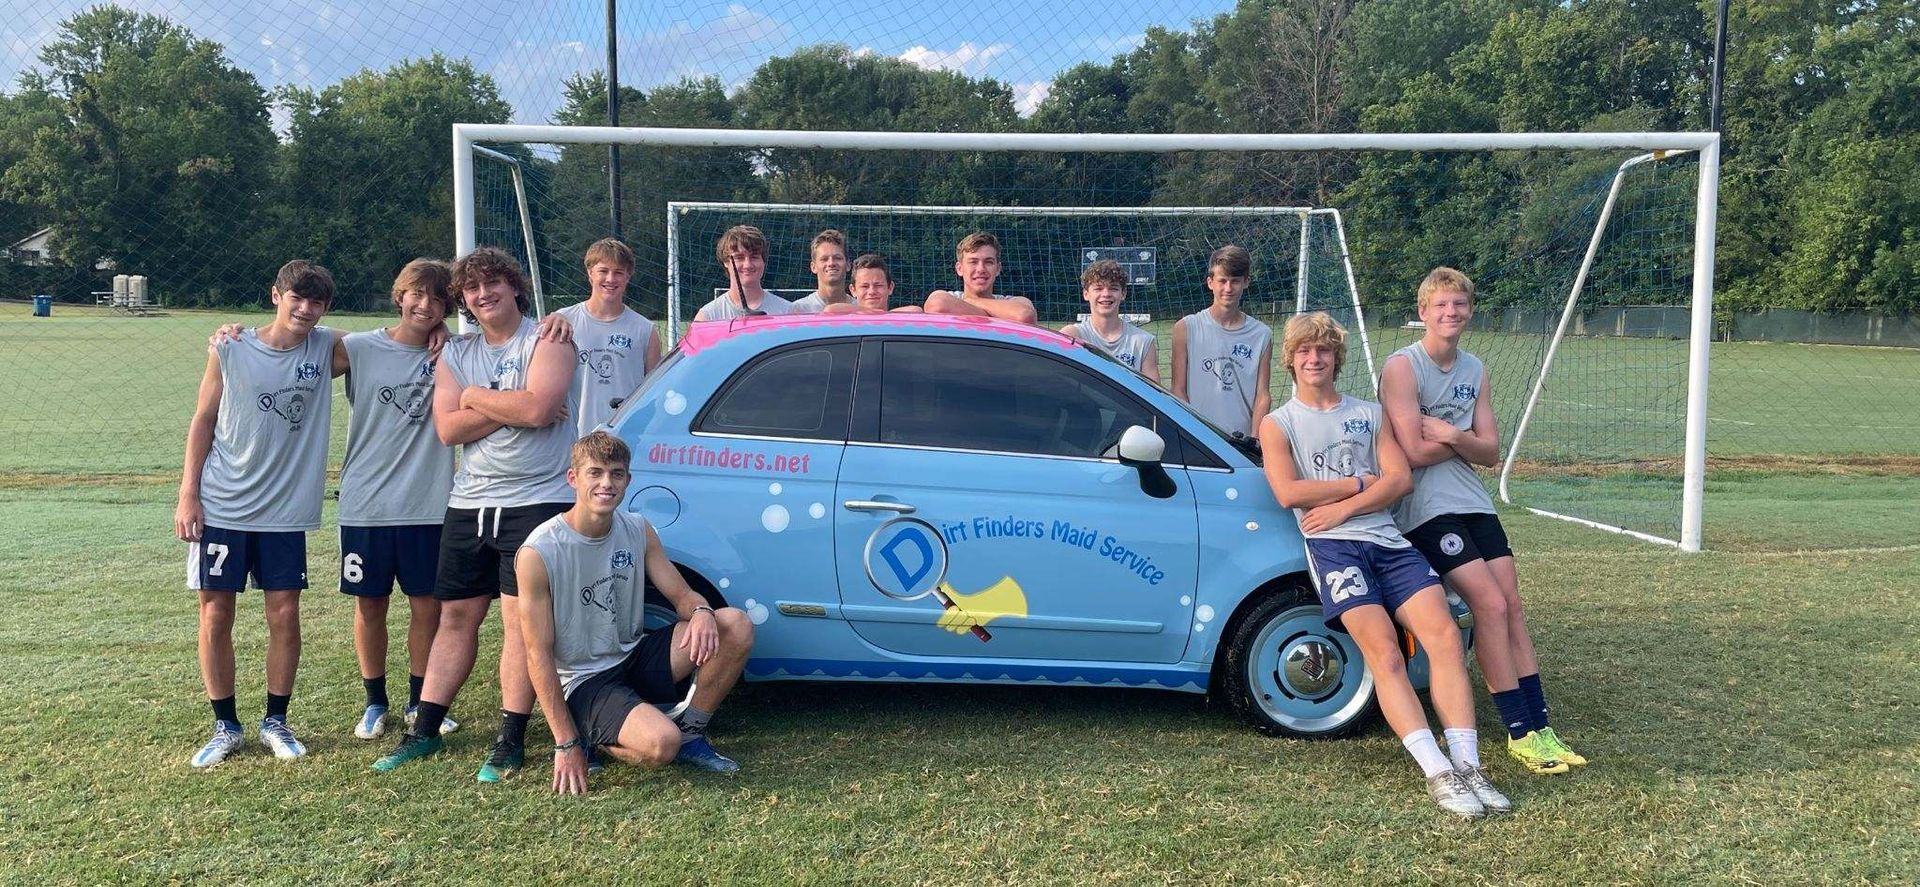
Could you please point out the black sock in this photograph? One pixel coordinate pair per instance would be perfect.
(513, 727)
(427, 722)
(414, 684)
(376, 690)
(1536, 699)
(277, 706)
(223, 710)
(1513, 712)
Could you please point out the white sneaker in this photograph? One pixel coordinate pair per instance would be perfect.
(1489, 797)
(227, 736)
(447, 723)
(373, 723)
(1452, 793)
(278, 737)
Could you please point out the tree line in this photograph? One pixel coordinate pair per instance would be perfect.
(142, 144)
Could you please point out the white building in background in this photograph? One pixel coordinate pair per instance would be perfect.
(36, 250)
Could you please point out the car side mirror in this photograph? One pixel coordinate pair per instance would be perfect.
(1142, 449)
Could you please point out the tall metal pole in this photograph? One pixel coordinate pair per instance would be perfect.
(1719, 66)
(613, 119)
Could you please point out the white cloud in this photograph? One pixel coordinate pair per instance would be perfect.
(968, 58)
(1028, 96)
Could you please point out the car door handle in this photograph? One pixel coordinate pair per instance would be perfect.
(870, 505)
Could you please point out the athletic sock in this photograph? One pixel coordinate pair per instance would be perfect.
(427, 721)
(513, 727)
(223, 710)
(415, 683)
(1536, 700)
(1514, 712)
(277, 706)
(376, 690)
(1463, 746)
(1426, 752)
(693, 722)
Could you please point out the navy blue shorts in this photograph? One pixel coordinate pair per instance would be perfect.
(1451, 540)
(373, 558)
(223, 559)
(1349, 574)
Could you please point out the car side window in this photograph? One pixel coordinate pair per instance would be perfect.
(979, 396)
(799, 392)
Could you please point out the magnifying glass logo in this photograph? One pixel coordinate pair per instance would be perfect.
(906, 559)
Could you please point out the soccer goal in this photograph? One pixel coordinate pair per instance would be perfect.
(1593, 254)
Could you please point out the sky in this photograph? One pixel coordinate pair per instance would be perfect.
(531, 47)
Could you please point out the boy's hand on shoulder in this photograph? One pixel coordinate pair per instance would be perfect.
(225, 333)
(554, 328)
(437, 340)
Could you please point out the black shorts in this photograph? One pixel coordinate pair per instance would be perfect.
(477, 546)
(223, 559)
(600, 705)
(1451, 540)
(372, 559)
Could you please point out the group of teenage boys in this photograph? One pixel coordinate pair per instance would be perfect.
(1385, 494)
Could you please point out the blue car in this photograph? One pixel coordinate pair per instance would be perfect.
(921, 498)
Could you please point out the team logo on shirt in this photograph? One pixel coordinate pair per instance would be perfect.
(616, 340)
(1129, 358)
(1243, 351)
(413, 399)
(1464, 391)
(1342, 459)
(622, 559)
(1357, 426)
(506, 367)
(1224, 369)
(426, 369)
(307, 372)
(600, 361)
(288, 403)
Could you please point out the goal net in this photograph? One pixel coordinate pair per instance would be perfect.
(1592, 257)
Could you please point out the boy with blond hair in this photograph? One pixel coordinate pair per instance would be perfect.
(977, 262)
(250, 489)
(1221, 355)
(1104, 286)
(1438, 399)
(827, 259)
(597, 669)
(742, 250)
(617, 347)
(1335, 462)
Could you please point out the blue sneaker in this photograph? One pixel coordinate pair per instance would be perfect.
(504, 760)
(227, 738)
(373, 723)
(698, 752)
(278, 737)
(411, 748)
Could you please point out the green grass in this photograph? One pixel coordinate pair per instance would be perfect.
(1751, 717)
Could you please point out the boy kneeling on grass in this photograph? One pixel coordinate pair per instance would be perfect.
(1333, 460)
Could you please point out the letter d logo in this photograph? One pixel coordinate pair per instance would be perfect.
(906, 559)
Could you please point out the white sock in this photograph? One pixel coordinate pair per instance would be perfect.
(1427, 752)
(1463, 745)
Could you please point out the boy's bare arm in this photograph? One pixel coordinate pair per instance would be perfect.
(541, 403)
(454, 423)
(1276, 456)
(1263, 390)
(1401, 402)
(1180, 358)
(189, 517)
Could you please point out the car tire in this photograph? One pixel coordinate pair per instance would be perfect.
(1287, 674)
(659, 612)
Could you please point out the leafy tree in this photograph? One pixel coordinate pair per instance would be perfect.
(143, 145)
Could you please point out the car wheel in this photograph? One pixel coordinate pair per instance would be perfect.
(1288, 674)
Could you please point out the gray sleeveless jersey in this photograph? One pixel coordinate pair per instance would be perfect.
(598, 593)
(397, 471)
(813, 303)
(512, 466)
(1221, 369)
(1334, 444)
(268, 465)
(613, 360)
(1130, 348)
(723, 308)
(1448, 487)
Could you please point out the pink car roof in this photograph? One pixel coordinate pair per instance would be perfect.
(705, 334)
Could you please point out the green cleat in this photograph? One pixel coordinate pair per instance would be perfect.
(411, 748)
(503, 761)
(1560, 748)
(1536, 755)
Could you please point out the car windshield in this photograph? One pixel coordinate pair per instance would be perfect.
(646, 384)
(1246, 445)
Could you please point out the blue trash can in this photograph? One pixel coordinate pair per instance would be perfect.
(43, 306)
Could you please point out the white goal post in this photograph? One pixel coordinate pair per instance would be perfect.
(466, 137)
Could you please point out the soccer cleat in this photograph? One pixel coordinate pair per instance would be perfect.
(1560, 749)
(278, 737)
(411, 748)
(503, 761)
(1454, 795)
(1536, 756)
(698, 752)
(1483, 790)
(447, 723)
(594, 765)
(373, 723)
(227, 737)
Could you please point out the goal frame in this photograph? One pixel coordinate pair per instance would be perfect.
(466, 137)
